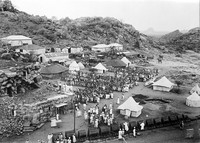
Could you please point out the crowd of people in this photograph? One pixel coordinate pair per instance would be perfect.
(96, 116)
(98, 86)
(61, 138)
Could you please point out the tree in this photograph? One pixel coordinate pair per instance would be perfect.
(178, 83)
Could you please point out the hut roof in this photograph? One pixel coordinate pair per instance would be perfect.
(116, 63)
(53, 69)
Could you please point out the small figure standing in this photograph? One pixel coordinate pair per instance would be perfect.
(74, 138)
(134, 132)
(142, 126)
(118, 101)
(120, 134)
(181, 125)
(122, 96)
(57, 116)
(84, 107)
(50, 136)
(69, 140)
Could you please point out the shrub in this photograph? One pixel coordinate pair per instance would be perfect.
(6, 56)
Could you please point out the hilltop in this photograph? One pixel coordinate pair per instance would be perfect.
(86, 31)
(170, 36)
(186, 41)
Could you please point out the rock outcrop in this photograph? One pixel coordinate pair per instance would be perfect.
(86, 31)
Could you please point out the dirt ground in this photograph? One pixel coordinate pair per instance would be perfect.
(151, 109)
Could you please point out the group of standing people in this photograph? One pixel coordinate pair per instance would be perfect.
(61, 139)
(95, 116)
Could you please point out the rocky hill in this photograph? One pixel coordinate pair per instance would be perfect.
(170, 36)
(186, 41)
(85, 31)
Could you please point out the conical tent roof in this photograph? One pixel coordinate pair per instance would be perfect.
(74, 66)
(53, 69)
(99, 66)
(131, 105)
(116, 63)
(195, 89)
(194, 97)
(163, 82)
(81, 66)
(125, 60)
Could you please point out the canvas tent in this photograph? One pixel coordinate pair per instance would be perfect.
(116, 46)
(17, 40)
(126, 61)
(101, 48)
(195, 89)
(163, 84)
(74, 66)
(130, 108)
(81, 66)
(116, 63)
(193, 100)
(100, 68)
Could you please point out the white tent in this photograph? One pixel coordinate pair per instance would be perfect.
(126, 61)
(74, 66)
(193, 100)
(195, 89)
(163, 84)
(81, 66)
(100, 68)
(130, 108)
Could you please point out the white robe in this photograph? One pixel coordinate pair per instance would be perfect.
(74, 138)
(96, 123)
(120, 135)
(126, 126)
(118, 101)
(134, 132)
(142, 126)
(111, 111)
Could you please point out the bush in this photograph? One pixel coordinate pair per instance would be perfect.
(176, 90)
(6, 56)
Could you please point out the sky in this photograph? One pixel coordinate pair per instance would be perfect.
(161, 15)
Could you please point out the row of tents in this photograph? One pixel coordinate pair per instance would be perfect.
(194, 99)
(74, 66)
(131, 108)
(165, 85)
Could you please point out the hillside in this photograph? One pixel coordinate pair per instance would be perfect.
(186, 41)
(85, 31)
(170, 36)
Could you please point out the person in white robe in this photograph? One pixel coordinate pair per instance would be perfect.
(108, 121)
(120, 134)
(97, 110)
(126, 126)
(69, 140)
(142, 125)
(110, 106)
(49, 137)
(118, 101)
(98, 99)
(84, 106)
(57, 116)
(111, 95)
(96, 123)
(85, 115)
(134, 132)
(74, 138)
(111, 110)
